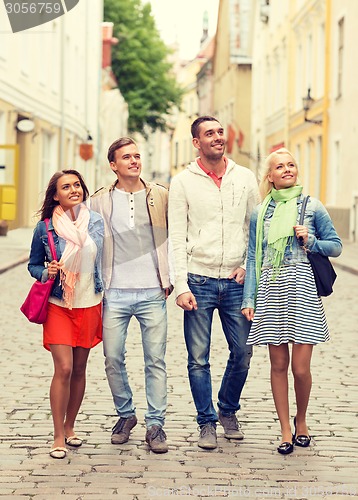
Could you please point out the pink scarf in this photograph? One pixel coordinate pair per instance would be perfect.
(75, 234)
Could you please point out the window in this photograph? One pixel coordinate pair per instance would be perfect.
(49, 164)
(2, 128)
(300, 88)
(321, 59)
(307, 166)
(340, 56)
(309, 66)
(317, 191)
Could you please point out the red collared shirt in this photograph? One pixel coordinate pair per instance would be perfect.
(212, 174)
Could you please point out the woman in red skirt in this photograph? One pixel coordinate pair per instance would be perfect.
(74, 323)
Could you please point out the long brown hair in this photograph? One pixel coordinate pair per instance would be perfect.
(49, 203)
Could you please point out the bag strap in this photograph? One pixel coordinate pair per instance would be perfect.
(50, 240)
(303, 209)
(302, 216)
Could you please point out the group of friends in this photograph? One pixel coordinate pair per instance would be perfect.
(221, 242)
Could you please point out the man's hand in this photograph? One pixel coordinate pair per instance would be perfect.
(187, 301)
(239, 275)
(248, 312)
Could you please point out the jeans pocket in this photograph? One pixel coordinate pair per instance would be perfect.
(154, 294)
(197, 279)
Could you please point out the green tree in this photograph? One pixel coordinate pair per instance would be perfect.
(140, 64)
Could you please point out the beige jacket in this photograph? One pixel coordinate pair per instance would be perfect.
(157, 205)
(209, 227)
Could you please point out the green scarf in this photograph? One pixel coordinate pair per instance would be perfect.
(281, 227)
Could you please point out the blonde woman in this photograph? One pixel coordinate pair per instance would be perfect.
(280, 296)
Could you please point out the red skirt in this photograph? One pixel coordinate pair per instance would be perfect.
(78, 327)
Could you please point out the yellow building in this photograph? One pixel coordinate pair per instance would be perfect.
(303, 94)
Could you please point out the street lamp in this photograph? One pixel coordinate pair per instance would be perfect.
(307, 103)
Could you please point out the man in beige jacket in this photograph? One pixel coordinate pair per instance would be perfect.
(210, 204)
(136, 281)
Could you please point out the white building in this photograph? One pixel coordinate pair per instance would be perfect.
(51, 75)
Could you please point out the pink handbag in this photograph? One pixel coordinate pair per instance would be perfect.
(36, 302)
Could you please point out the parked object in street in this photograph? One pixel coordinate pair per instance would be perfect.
(74, 323)
(137, 284)
(210, 204)
(280, 294)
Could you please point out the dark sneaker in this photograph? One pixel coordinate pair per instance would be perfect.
(120, 432)
(156, 439)
(232, 428)
(207, 437)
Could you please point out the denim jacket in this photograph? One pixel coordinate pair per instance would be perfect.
(322, 238)
(40, 252)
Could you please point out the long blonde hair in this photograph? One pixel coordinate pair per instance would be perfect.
(265, 185)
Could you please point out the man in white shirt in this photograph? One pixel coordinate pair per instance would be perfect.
(136, 280)
(210, 204)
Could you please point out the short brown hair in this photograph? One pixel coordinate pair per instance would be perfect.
(118, 144)
(196, 124)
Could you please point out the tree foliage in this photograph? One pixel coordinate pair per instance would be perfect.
(140, 64)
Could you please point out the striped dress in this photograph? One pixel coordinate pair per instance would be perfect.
(288, 308)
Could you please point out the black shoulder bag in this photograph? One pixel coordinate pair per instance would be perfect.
(322, 268)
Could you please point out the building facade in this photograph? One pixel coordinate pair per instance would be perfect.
(50, 88)
(232, 76)
(303, 91)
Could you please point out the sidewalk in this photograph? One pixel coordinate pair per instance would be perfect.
(251, 468)
(15, 248)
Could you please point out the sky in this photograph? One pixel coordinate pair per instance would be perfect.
(182, 21)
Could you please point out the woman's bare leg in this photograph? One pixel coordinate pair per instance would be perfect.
(77, 388)
(301, 369)
(280, 358)
(60, 389)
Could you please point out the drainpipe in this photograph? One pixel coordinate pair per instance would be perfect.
(62, 91)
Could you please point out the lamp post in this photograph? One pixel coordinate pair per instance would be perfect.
(307, 103)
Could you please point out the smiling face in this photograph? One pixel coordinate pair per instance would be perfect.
(127, 162)
(69, 192)
(211, 141)
(283, 171)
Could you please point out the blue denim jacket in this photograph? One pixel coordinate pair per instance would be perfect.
(322, 238)
(40, 252)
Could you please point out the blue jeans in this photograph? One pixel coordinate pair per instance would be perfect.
(148, 306)
(226, 296)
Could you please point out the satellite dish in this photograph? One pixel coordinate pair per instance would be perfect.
(25, 125)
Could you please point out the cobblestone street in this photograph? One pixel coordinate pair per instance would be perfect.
(249, 469)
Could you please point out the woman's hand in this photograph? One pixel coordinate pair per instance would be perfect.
(301, 232)
(248, 312)
(53, 269)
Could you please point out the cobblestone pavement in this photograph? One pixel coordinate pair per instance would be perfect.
(249, 469)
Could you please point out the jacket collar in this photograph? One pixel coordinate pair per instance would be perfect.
(148, 185)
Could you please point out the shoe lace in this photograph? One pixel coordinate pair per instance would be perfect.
(119, 425)
(207, 429)
(158, 433)
(232, 423)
